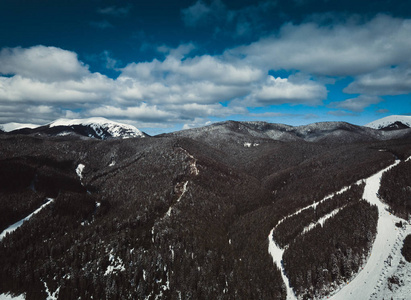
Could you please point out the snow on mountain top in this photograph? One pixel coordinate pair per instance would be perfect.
(115, 129)
(384, 122)
(14, 126)
(88, 121)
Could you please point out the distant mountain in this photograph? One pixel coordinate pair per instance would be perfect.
(245, 132)
(391, 123)
(99, 128)
(15, 126)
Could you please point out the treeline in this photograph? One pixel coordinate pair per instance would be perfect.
(395, 189)
(293, 226)
(328, 255)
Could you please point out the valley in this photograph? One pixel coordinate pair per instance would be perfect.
(186, 215)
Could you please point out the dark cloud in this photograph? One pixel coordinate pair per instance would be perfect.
(382, 111)
(101, 24)
(115, 10)
(222, 21)
(388, 81)
(357, 104)
(341, 113)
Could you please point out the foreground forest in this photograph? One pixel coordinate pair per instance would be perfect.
(187, 215)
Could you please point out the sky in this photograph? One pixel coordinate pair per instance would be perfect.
(170, 65)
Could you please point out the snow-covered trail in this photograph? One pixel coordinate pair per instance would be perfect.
(369, 281)
(277, 254)
(16, 225)
(276, 251)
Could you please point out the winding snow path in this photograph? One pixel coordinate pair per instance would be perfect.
(277, 252)
(369, 282)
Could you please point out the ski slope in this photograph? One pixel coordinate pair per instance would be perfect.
(369, 283)
(384, 261)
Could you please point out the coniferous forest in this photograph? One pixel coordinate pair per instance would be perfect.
(188, 215)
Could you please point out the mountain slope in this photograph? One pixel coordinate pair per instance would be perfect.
(183, 215)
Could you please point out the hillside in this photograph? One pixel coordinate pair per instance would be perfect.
(187, 215)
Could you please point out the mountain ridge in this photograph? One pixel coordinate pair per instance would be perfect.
(102, 128)
(99, 128)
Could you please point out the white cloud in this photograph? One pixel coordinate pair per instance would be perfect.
(296, 89)
(28, 113)
(201, 79)
(177, 89)
(341, 113)
(198, 122)
(72, 92)
(346, 49)
(42, 63)
(200, 68)
(195, 110)
(357, 104)
(142, 113)
(389, 81)
(269, 115)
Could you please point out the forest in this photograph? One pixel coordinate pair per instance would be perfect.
(183, 216)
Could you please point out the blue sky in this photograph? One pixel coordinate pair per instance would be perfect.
(167, 65)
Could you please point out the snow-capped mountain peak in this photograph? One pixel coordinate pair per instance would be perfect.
(15, 126)
(101, 127)
(391, 122)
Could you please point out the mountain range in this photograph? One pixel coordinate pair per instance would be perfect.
(101, 128)
(233, 210)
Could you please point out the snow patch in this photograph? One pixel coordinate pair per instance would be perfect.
(79, 171)
(248, 145)
(50, 295)
(322, 220)
(168, 213)
(193, 162)
(184, 191)
(116, 264)
(64, 133)
(9, 297)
